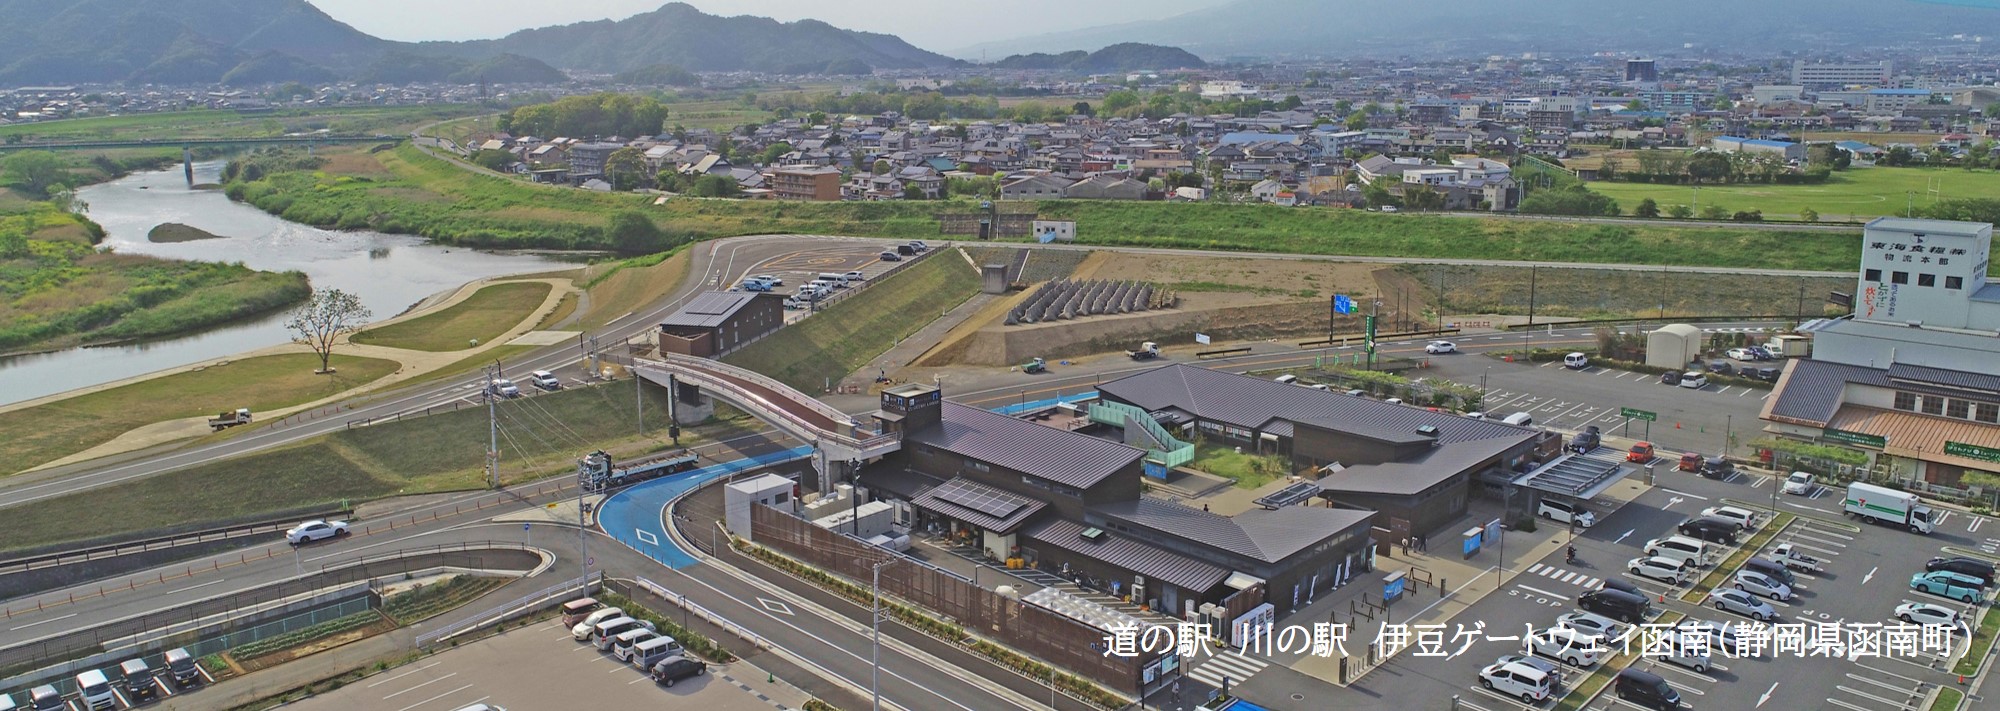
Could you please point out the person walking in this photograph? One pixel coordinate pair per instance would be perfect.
(1177, 690)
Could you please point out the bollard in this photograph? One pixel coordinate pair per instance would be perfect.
(1443, 583)
(1454, 702)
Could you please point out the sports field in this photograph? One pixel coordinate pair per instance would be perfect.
(1856, 195)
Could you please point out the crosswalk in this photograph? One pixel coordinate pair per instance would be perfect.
(1565, 576)
(1230, 665)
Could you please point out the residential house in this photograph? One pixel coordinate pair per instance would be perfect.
(1035, 187)
(1107, 187)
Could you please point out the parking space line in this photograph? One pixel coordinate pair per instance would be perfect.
(407, 673)
(1746, 391)
(434, 698)
(1724, 390)
(1872, 697)
(419, 686)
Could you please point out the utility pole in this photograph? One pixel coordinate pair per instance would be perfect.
(639, 398)
(492, 429)
(875, 621)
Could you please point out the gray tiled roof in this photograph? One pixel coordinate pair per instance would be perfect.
(1811, 391)
(1056, 455)
(1154, 563)
(1254, 403)
(1259, 534)
(709, 309)
(1414, 476)
(943, 499)
(1948, 378)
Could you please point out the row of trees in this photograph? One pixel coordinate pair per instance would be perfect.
(1714, 167)
(604, 114)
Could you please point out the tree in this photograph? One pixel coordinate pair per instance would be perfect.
(881, 167)
(717, 186)
(1808, 214)
(1708, 166)
(632, 232)
(774, 151)
(1680, 212)
(34, 171)
(1357, 121)
(1647, 208)
(1573, 199)
(1292, 101)
(816, 118)
(1714, 212)
(325, 317)
(912, 192)
(1082, 108)
(496, 161)
(1748, 216)
(626, 167)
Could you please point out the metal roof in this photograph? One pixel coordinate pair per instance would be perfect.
(1119, 551)
(1059, 456)
(1263, 535)
(709, 309)
(978, 504)
(1257, 403)
(1811, 390)
(1947, 378)
(1919, 436)
(1576, 475)
(1295, 493)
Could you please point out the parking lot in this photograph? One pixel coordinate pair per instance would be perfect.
(793, 270)
(540, 667)
(1562, 398)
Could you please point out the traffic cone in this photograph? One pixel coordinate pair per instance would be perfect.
(1677, 425)
(1663, 598)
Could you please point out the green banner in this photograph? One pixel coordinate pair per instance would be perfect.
(1858, 438)
(1637, 414)
(1971, 451)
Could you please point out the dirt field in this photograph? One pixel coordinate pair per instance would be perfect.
(1285, 278)
(1599, 293)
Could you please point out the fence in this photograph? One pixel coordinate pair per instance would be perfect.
(109, 550)
(1035, 631)
(1172, 452)
(524, 604)
(80, 643)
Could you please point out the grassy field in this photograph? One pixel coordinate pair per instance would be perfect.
(1858, 194)
(1581, 293)
(1947, 699)
(485, 315)
(36, 435)
(1249, 471)
(208, 123)
(442, 452)
(846, 336)
(1980, 644)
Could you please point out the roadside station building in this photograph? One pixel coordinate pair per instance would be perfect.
(717, 322)
(1909, 379)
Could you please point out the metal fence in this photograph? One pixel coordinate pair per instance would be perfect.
(522, 605)
(64, 646)
(1035, 631)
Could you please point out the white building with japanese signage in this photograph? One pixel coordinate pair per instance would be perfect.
(1912, 377)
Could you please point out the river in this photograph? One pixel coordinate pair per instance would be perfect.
(389, 273)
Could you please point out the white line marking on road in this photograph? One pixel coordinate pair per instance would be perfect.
(407, 673)
(421, 685)
(198, 585)
(434, 698)
(1541, 592)
(1870, 575)
(43, 622)
(647, 538)
(1766, 696)
(1977, 521)
(1683, 493)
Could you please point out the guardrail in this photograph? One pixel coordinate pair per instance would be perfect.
(501, 612)
(1222, 352)
(1669, 319)
(112, 550)
(1380, 337)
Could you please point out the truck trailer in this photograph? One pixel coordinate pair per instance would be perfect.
(1889, 506)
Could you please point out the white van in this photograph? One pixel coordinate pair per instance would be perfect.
(833, 279)
(1680, 548)
(1564, 512)
(7, 702)
(1520, 419)
(581, 630)
(1688, 654)
(608, 631)
(1516, 678)
(94, 690)
(1287, 378)
(621, 647)
(852, 277)
(653, 650)
(1576, 361)
(1573, 647)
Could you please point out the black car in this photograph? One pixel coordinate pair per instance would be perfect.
(1969, 567)
(1671, 377)
(1721, 367)
(676, 668)
(1622, 585)
(891, 257)
(1616, 604)
(1645, 689)
(1709, 528)
(1717, 468)
(1586, 441)
(1769, 375)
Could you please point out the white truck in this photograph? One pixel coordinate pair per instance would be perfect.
(1146, 351)
(1890, 506)
(1789, 555)
(227, 420)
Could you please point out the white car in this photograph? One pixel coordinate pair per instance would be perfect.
(1744, 519)
(1694, 380)
(771, 279)
(1593, 624)
(1666, 570)
(1924, 613)
(1436, 347)
(1799, 483)
(503, 387)
(581, 630)
(1720, 636)
(1574, 647)
(315, 530)
(1739, 602)
(1740, 354)
(1755, 583)
(1528, 682)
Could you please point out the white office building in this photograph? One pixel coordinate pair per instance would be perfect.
(1813, 74)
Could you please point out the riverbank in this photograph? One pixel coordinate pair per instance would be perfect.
(404, 190)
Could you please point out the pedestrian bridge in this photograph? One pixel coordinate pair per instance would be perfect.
(837, 439)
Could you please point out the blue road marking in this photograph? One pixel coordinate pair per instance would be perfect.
(638, 509)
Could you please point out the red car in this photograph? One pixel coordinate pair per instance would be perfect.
(1641, 453)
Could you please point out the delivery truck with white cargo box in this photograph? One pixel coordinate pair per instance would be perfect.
(1886, 505)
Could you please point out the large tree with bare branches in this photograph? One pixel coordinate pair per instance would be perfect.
(322, 320)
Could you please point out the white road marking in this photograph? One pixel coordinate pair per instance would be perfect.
(413, 671)
(43, 622)
(434, 698)
(420, 685)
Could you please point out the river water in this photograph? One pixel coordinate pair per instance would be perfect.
(389, 273)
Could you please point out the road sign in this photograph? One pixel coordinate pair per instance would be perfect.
(1638, 414)
(524, 526)
(1343, 304)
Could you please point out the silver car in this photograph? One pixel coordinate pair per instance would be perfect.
(1753, 582)
(1592, 623)
(1739, 602)
(1720, 636)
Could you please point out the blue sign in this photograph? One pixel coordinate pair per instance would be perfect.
(1392, 586)
(1343, 304)
(1472, 543)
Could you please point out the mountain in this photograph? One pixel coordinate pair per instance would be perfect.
(57, 41)
(1393, 28)
(680, 35)
(406, 67)
(1122, 57)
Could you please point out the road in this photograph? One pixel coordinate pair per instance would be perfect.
(1672, 268)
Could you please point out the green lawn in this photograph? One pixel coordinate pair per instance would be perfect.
(1582, 692)
(442, 452)
(208, 123)
(846, 336)
(37, 435)
(1858, 194)
(1982, 641)
(481, 317)
(1249, 471)
(1947, 699)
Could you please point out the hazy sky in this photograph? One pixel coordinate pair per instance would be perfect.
(930, 24)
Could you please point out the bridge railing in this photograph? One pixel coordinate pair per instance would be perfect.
(768, 382)
(724, 375)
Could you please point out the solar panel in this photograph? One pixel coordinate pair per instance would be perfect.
(987, 502)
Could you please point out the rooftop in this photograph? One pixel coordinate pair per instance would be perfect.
(1059, 456)
(709, 309)
(1264, 535)
(1153, 562)
(980, 505)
